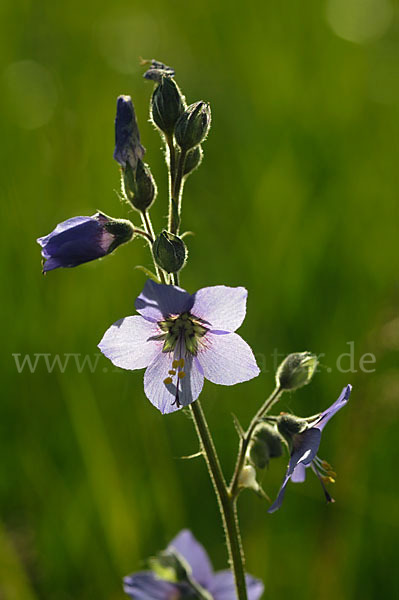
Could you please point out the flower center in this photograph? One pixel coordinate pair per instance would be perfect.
(183, 328)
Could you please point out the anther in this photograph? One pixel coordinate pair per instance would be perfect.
(171, 372)
(181, 374)
(181, 362)
(175, 364)
(168, 380)
(327, 479)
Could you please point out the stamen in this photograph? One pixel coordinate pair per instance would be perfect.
(175, 364)
(181, 374)
(168, 381)
(181, 362)
(327, 479)
(326, 465)
(171, 372)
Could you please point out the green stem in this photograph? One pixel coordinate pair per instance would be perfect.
(172, 176)
(246, 438)
(145, 218)
(226, 503)
(144, 234)
(177, 193)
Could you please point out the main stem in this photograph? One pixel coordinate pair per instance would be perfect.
(226, 502)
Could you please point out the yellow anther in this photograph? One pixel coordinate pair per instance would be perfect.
(175, 364)
(168, 380)
(181, 374)
(327, 479)
(181, 362)
(171, 372)
(331, 474)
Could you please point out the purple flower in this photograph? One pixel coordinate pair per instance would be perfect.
(220, 585)
(81, 239)
(127, 135)
(305, 447)
(181, 339)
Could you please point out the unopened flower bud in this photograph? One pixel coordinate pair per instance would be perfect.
(193, 125)
(139, 186)
(296, 370)
(127, 136)
(169, 252)
(193, 160)
(289, 425)
(82, 239)
(247, 478)
(266, 443)
(167, 104)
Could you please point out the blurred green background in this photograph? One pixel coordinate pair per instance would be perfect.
(296, 199)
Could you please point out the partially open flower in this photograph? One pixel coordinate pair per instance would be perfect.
(181, 339)
(82, 239)
(305, 445)
(196, 580)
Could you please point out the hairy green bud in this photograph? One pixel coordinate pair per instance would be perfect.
(193, 160)
(266, 443)
(289, 425)
(121, 229)
(139, 186)
(193, 125)
(296, 370)
(169, 252)
(167, 104)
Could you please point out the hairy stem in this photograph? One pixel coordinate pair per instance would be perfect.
(145, 218)
(246, 438)
(226, 503)
(172, 176)
(177, 193)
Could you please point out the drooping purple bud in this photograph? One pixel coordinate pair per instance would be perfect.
(82, 239)
(127, 135)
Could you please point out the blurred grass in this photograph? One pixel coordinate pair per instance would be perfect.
(296, 200)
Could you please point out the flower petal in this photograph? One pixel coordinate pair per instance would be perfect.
(280, 496)
(128, 344)
(196, 556)
(223, 587)
(145, 586)
(299, 474)
(157, 301)
(222, 306)
(162, 395)
(72, 223)
(326, 415)
(306, 449)
(227, 359)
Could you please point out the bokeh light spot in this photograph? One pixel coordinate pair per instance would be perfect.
(359, 21)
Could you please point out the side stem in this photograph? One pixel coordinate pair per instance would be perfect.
(226, 502)
(246, 438)
(145, 218)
